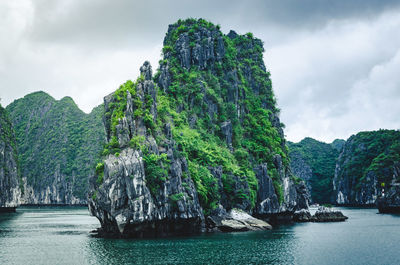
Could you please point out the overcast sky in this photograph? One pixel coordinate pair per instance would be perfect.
(335, 65)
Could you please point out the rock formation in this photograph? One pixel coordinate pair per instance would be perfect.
(130, 200)
(9, 175)
(202, 133)
(302, 216)
(234, 221)
(57, 145)
(366, 167)
(323, 214)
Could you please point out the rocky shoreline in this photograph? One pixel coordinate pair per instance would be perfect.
(220, 220)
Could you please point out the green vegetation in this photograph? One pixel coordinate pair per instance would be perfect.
(375, 151)
(56, 137)
(155, 171)
(8, 142)
(6, 131)
(94, 196)
(100, 173)
(321, 157)
(177, 197)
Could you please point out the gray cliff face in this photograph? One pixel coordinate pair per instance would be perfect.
(204, 52)
(345, 188)
(124, 202)
(57, 145)
(55, 189)
(9, 176)
(295, 196)
(267, 201)
(314, 162)
(366, 167)
(301, 169)
(347, 192)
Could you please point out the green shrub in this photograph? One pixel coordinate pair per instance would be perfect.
(167, 49)
(278, 190)
(176, 197)
(100, 177)
(99, 168)
(156, 172)
(94, 196)
(137, 142)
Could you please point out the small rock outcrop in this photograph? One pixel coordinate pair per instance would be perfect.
(324, 214)
(9, 178)
(234, 221)
(302, 216)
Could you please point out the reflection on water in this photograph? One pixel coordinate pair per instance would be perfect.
(61, 236)
(242, 248)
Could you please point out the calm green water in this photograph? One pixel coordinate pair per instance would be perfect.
(61, 236)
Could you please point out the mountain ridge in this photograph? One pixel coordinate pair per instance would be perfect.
(56, 141)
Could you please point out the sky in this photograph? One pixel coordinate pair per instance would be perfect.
(335, 65)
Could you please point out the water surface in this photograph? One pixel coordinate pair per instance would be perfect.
(60, 235)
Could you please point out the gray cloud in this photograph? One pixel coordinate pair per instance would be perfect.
(333, 63)
(141, 22)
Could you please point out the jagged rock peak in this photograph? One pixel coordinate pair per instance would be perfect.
(195, 43)
(146, 70)
(232, 34)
